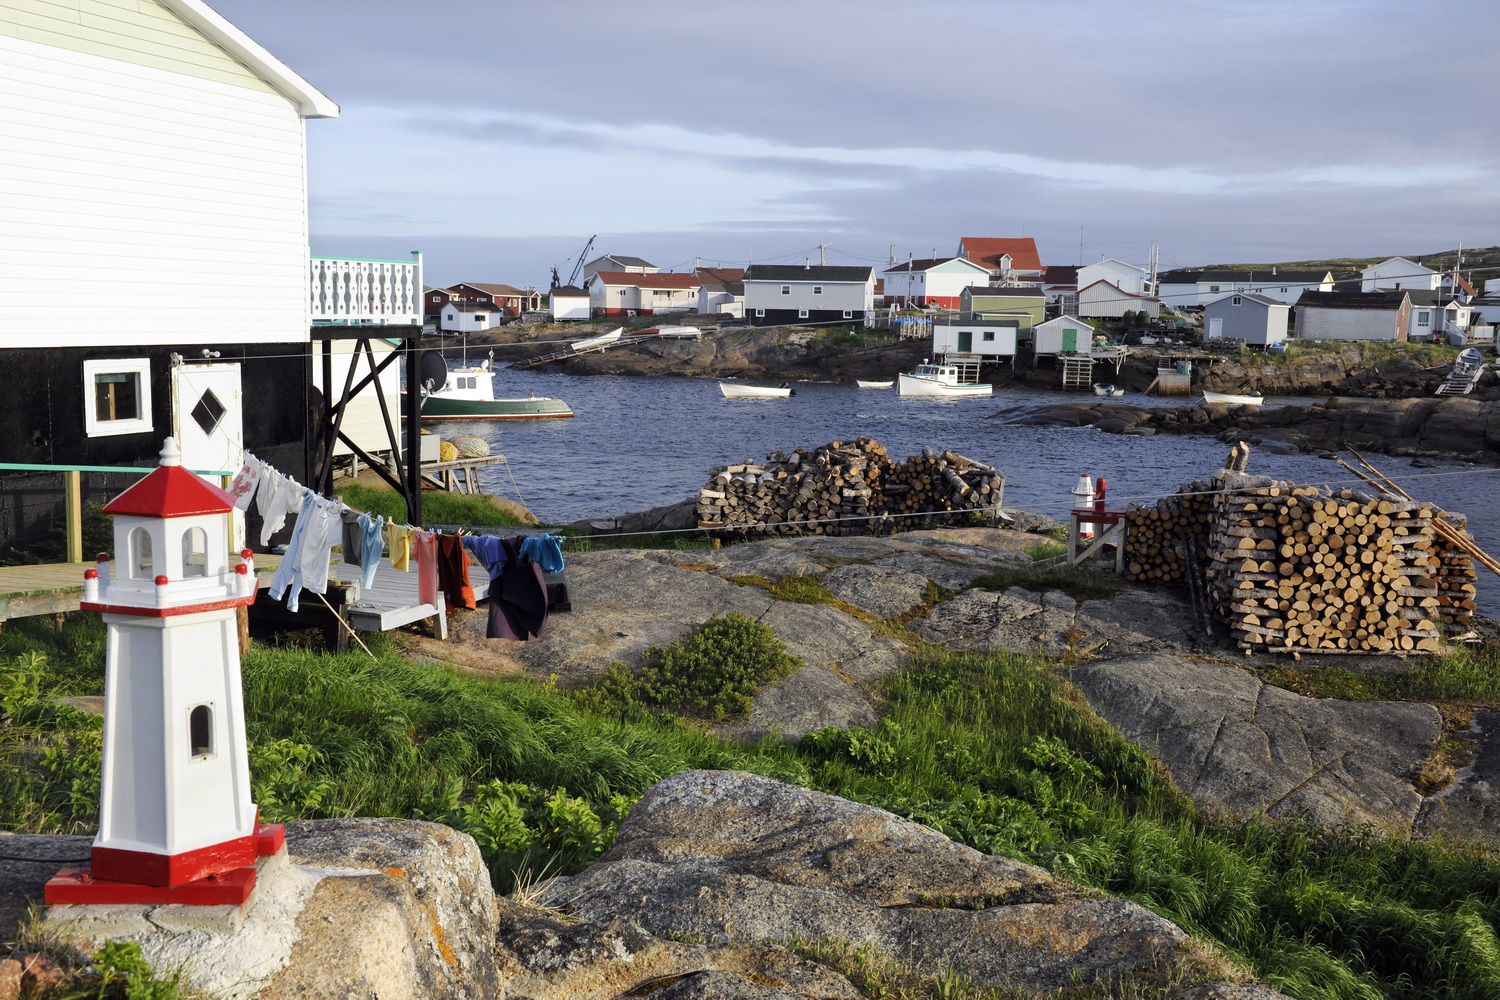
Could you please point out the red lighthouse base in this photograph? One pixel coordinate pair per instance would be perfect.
(231, 888)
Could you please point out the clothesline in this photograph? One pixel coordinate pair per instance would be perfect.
(323, 523)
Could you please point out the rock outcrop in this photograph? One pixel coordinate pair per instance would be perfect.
(728, 858)
(1432, 426)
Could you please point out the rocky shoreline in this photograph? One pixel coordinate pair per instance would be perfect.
(1455, 427)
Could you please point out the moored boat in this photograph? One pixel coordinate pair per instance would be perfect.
(940, 380)
(874, 385)
(469, 394)
(1230, 397)
(734, 390)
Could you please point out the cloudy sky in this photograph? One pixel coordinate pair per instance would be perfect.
(497, 136)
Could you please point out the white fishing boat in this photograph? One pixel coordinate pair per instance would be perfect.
(874, 385)
(940, 380)
(468, 393)
(1231, 397)
(734, 390)
(1107, 389)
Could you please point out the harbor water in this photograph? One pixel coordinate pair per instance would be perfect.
(637, 443)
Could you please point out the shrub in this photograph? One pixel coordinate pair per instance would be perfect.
(712, 673)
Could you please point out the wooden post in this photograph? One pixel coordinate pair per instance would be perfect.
(73, 504)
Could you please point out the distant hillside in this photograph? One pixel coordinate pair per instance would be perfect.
(1479, 264)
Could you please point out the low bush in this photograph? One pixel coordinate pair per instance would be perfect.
(438, 507)
(711, 673)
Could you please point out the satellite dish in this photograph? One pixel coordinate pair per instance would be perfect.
(433, 370)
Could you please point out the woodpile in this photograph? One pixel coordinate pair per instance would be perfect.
(1302, 568)
(845, 487)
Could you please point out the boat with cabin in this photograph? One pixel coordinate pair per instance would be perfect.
(1240, 399)
(929, 379)
(736, 390)
(468, 393)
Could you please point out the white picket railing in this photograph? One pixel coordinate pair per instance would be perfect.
(366, 292)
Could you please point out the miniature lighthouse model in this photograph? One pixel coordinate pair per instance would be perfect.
(176, 823)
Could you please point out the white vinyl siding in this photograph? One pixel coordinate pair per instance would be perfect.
(135, 31)
(161, 208)
(363, 421)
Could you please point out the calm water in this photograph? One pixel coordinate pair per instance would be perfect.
(643, 442)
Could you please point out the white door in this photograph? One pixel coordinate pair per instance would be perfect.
(208, 417)
(1215, 328)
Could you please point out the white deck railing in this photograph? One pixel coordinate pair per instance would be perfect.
(366, 292)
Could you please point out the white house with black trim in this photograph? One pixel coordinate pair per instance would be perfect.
(787, 295)
(1258, 320)
(1191, 289)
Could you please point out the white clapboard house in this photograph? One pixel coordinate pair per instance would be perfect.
(157, 279)
(786, 295)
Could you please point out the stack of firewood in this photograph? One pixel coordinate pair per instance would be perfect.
(844, 488)
(1156, 537)
(1297, 568)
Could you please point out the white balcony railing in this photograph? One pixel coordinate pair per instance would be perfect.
(366, 292)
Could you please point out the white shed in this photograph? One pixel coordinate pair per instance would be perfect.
(569, 302)
(1062, 335)
(975, 340)
(469, 317)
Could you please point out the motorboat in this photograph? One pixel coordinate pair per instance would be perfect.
(940, 380)
(874, 385)
(1233, 398)
(468, 393)
(735, 390)
(1107, 389)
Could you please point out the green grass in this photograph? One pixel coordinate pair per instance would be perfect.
(438, 506)
(996, 751)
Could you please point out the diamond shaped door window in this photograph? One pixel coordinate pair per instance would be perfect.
(209, 412)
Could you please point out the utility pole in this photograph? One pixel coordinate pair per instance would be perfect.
(891, 255)
(822, 262)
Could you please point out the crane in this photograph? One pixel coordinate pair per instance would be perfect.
(583, 256)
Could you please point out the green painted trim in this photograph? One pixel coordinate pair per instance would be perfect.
(14, 467)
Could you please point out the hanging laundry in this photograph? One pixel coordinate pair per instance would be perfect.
(276, 497)
(398, 542)
(453, 572)
(318, 542)
(351, 536)
(424, 547)
(546, 551)
(518, 594)
(242, 486)
(287, 575)
(370, 547)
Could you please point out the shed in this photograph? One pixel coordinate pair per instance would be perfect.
(1258, 320)
(1062, 335)
(975, 340)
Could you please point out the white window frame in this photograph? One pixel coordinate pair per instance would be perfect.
(93, 426)
(817, 289)
(1424, 317)
(760, 314)
(1235, 301)
(802, 314)
(848, 313)
(786, 289)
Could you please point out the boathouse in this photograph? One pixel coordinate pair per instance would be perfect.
(162, 283)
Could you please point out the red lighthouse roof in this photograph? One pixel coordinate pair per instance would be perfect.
(171, 491)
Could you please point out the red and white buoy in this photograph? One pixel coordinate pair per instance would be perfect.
(176, 823)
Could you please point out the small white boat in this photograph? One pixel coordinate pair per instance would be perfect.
(874, 385)
(1230, 397)
(733, 390)
(940, 380)
(469, 394)
(1107, 389)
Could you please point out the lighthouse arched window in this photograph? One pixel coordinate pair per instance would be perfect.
(194, 552)
(201, 731)
(140, 554)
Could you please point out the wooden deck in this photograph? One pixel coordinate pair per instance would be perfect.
(58, 587)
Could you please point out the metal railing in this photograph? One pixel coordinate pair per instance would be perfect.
(345, 292)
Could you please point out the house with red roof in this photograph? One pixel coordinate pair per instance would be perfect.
(630, 293)
(1010, 260)
(722, 291)
(933, 283)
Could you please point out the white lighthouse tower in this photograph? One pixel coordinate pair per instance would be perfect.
(176, 823)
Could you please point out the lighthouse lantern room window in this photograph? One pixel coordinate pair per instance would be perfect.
(141, 563)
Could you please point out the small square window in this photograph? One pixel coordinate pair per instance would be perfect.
(802, 314)
(817, 289)
(117, 397)
(848, 314)
(786, 289)
(1235, 301)
(1213, 288)
(760, 313)
(989, 335)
